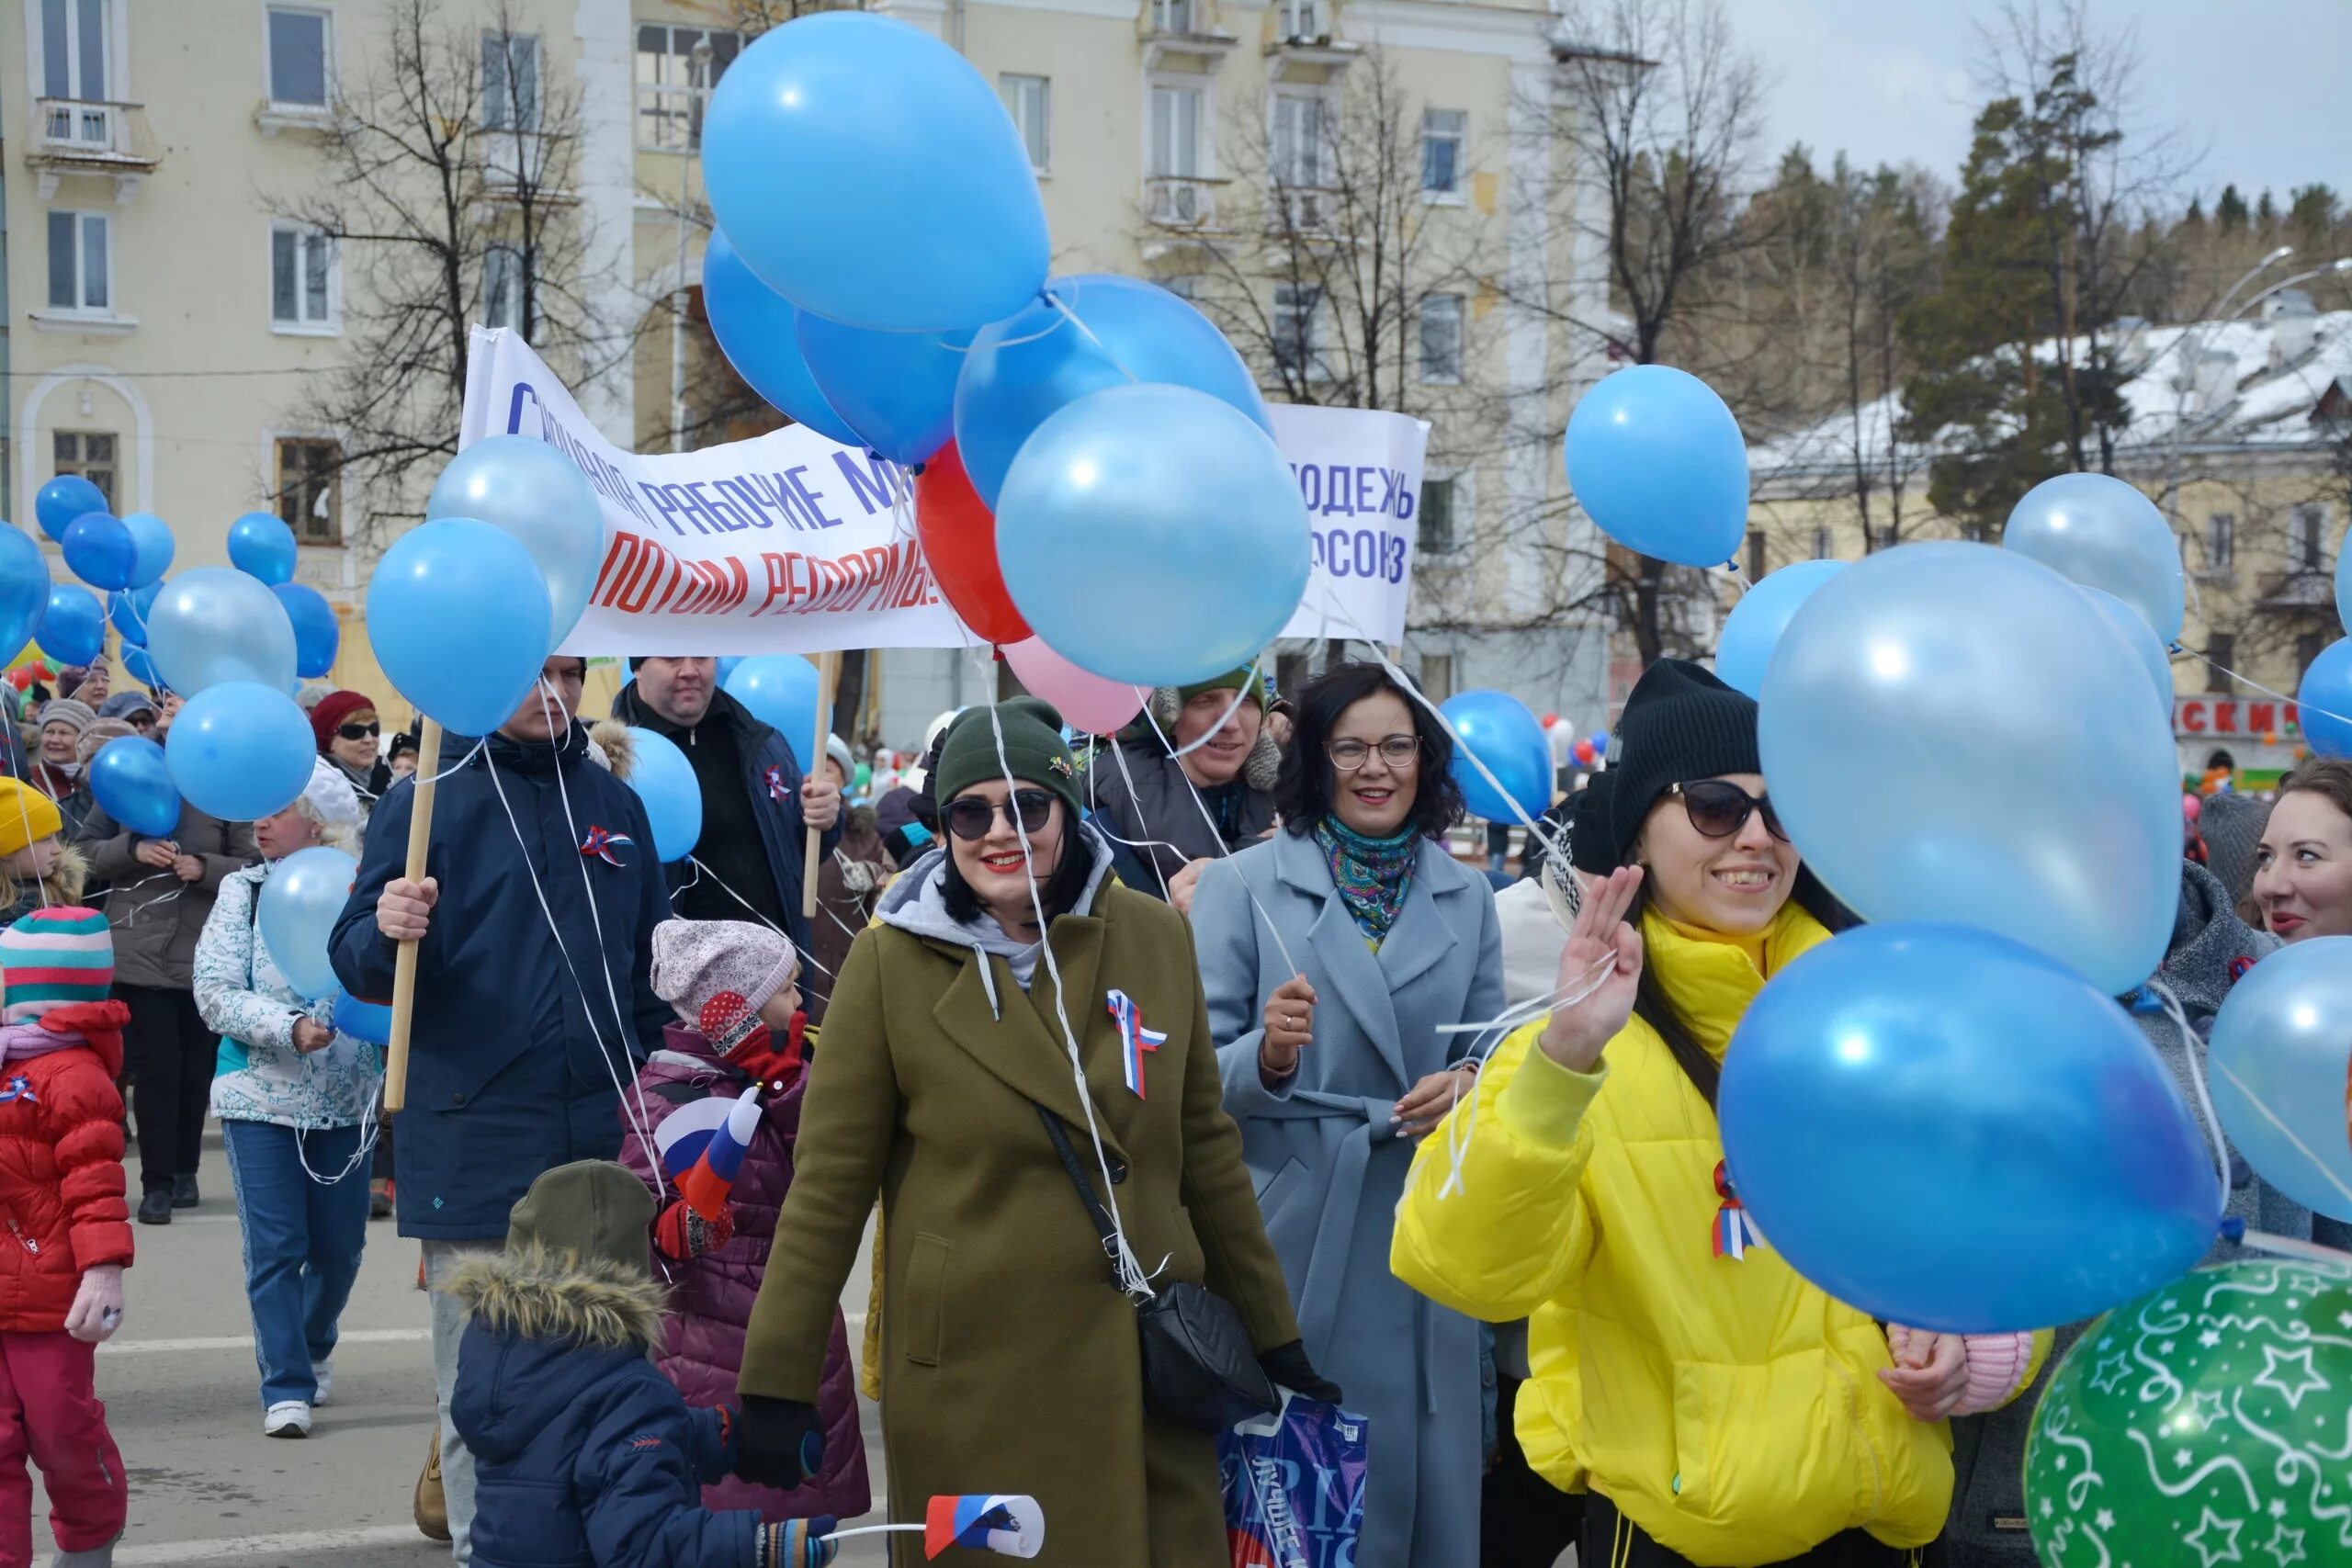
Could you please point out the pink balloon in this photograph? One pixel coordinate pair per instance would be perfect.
(1087, 701)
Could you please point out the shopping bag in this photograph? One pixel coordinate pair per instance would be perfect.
(1294, 1486)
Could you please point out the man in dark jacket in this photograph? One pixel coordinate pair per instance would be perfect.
(756, 807)
(532, 1008)
(1144, 795)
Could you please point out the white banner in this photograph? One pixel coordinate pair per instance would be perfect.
(792, 543)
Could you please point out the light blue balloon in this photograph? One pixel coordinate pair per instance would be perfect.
(261, 546)
(2323, 702)
(370, 1021)
(141, 666)
(781, 691)
(128, 610)
(2343, 581)
(759, 332)
(1153, 534)
(241, 750)
(726, 667)
(2104, 534)
(1951, 733)
(2141, 638)
(665, 781)
(213, 625)
(63, 499)
(100, 551)
(1754, 626)
(1510, 740)
(897, 390)
(532, 492)
(1658, 462)
(152, 538)
(129, 779)
(300, 900)
(317, 635)
(1948, 1130)
(74, 628)
(24, 590)
(1024, 369)
(2279, 1056)
(881, 139)
(458, 614)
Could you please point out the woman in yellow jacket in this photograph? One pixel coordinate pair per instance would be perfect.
(1719, 1410)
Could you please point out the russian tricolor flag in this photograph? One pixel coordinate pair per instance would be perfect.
(1009, 1525)
(702, 1147)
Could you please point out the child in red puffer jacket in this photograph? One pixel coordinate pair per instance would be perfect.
(67, 1232)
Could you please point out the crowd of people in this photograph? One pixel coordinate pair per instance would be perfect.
(1208, 1003)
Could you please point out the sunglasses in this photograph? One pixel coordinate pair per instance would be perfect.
(1718, 808)
(970, 818)
(359, 731)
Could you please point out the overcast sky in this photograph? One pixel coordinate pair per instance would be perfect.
(2258, 84)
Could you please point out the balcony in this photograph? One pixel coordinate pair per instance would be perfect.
(1181, 201)
(1302, 49)
(2312, 587)
(81, 136)
(1302, 210)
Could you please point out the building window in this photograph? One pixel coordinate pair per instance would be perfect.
(669, 97)
(90, 453)
(1436, 537)
(1291, 672)
(301, 279)
(1171, 15)
(1302, 125)
(81, 263)
(297, 57)
(1442, 339)
(310, 488)
(2307, 536)
(1756, 565)
(2307, 648)
(1821, 543)
(1028, 100)
(2222, 542)
(1442, 139)
(2220, 656)
(1176, 132)
(1437, 676)
(1302, 19)
(1298, 328)
(510, 81)
(502, 276)
(73, 49)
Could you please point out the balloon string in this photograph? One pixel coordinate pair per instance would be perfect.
(1060, 304)
(2284, 1131)
(2289, 1247)
(2193, 1049)
(1461, 1131)
(40, 884)
(1118, 755)
(2297, 702)
(703, 870)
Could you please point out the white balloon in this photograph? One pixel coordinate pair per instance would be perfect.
(534, 493)
(215, 625)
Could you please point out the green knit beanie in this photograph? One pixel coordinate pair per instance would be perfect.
(1033, 745)
(1244, 678)
(591, 1209)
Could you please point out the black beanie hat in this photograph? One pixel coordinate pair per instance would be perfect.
(1681, 723)
(1033, 747)
(1592, 837)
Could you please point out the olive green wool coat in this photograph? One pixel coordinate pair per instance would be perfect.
(1009, 1356)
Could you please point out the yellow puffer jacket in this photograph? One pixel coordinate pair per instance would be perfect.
(1730, 1409)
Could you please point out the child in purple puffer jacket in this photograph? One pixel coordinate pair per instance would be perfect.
(732, 985)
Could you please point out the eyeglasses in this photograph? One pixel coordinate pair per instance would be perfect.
(969, 816)
(1719, 808)
(359, 731)
(1401, 752)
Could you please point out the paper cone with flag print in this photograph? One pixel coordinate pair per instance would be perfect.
(1009, 1526)
(702, 1148)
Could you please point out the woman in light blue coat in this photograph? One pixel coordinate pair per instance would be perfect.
(1335, 1064)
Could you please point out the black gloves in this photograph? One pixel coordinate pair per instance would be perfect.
(1286, 1366)
(776, 1442)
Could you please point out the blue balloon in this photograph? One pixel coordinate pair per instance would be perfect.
(2102, 532)
(74, 628)
(2141, 638)
(665, 781)
(154, 546)
(100, 551)
(1600, 739)
(726, 667)
(317, 635)
(781, 691)
(261, 545)
(459, 614)
(2280, 1055)
(213, 624)
(1166, 491)
(2323, 702)
(128, 610)
(759, 332)
(1754, 626)
(1510, 740)
(530, 492)
(2343, 581)
(1949, 1131)
(370, 1021)
(1028, 365)
(63, 499)
(24, 590)
(1951, 733)
(882, 139)
(142, 665)
(241, 750)
(1657, 460)
(130, 778)
(300, 899)
(896, 390)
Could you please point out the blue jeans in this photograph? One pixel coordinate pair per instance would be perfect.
(303, 1238)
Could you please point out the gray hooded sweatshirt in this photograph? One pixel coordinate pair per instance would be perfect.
(917, 903)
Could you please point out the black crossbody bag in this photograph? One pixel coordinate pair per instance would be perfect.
(1198, 1367)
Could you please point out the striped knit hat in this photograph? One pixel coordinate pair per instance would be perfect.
(54, 958)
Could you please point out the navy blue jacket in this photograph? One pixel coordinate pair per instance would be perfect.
(518, 1044)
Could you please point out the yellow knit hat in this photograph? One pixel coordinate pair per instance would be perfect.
(26, 815)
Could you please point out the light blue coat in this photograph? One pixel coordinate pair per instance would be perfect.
(1329, 1169)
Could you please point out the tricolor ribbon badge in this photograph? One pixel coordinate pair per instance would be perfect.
(19, 1088)
(1735, 1232)
(1134, 1039)
(601, 844)
(1009, 1526)
(774, 776)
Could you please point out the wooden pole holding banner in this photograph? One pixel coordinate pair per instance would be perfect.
(420, 840)
(829, 674)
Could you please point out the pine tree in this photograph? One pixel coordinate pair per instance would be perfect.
(2230, 211)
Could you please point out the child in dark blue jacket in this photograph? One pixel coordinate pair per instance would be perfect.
(586, 1455)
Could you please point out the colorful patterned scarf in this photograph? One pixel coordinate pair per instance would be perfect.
(1372, 875)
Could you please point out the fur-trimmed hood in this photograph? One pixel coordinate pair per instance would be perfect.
(596, 1304)
(610, 743)
(67, 882)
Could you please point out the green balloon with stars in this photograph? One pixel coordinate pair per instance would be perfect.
(2205, 1423)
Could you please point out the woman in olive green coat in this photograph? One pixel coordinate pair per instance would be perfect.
(1009, 1354)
